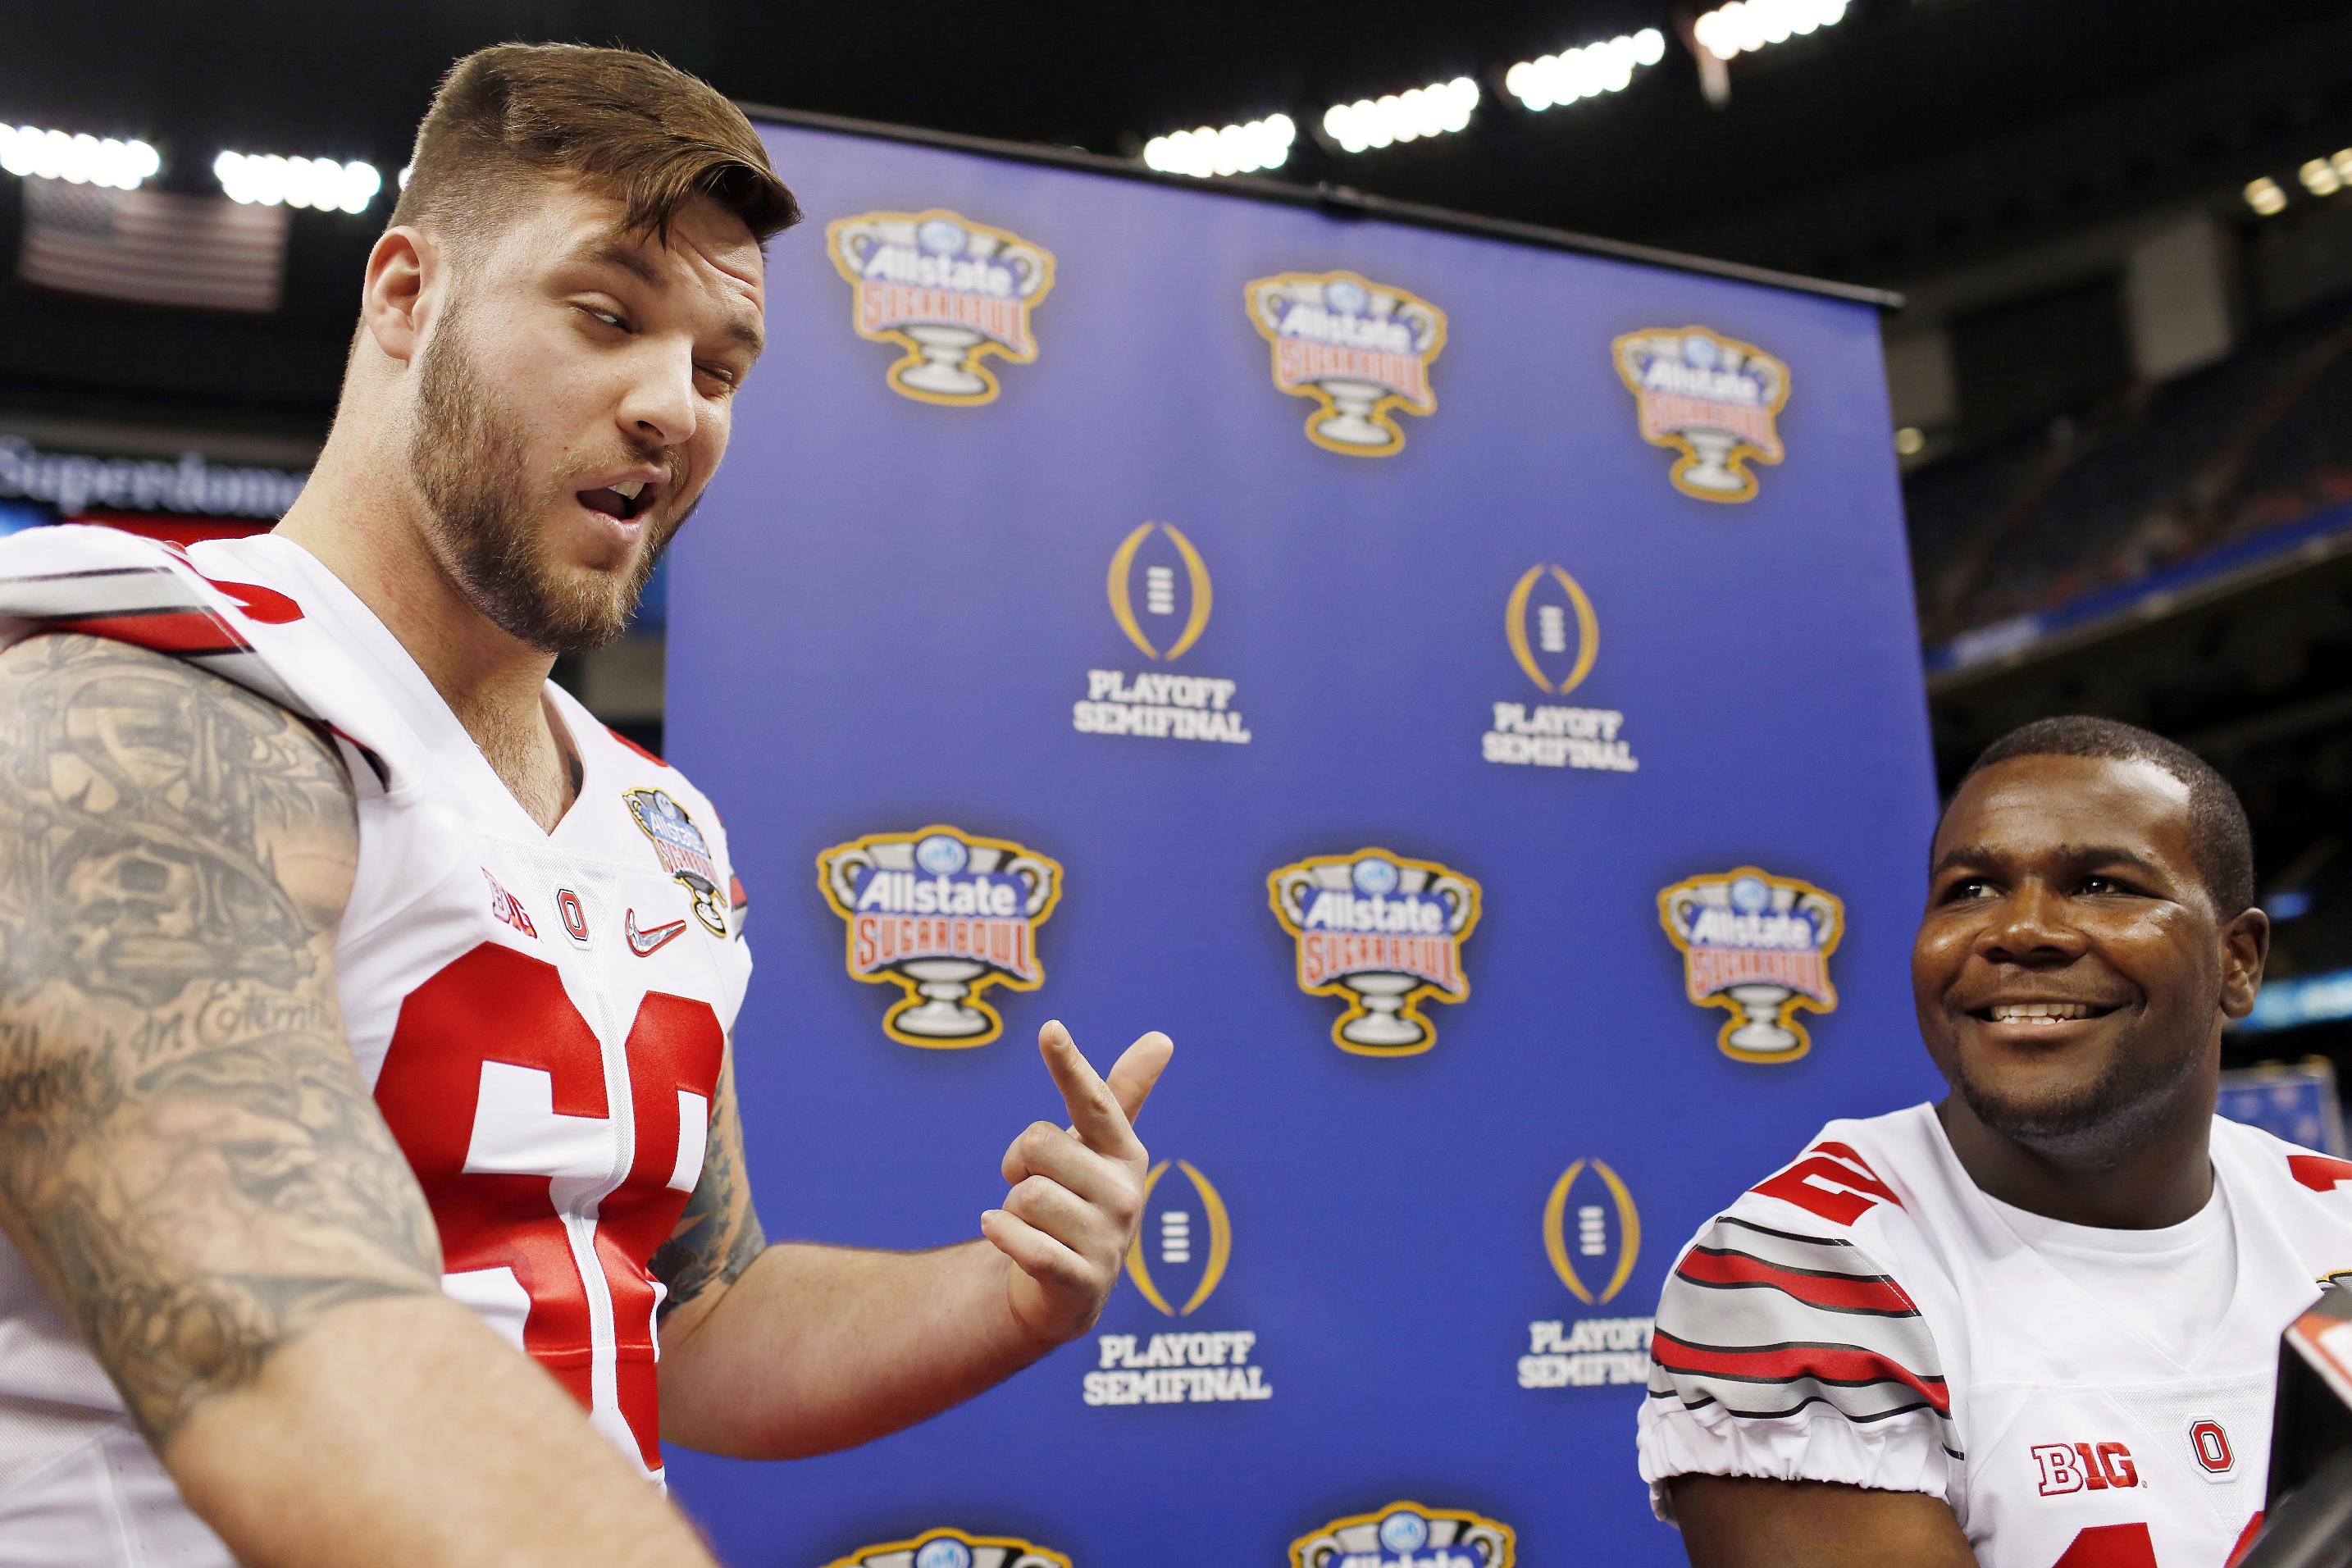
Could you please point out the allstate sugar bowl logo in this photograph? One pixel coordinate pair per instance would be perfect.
(1383, 930)
(953, 1549)
(943, 914)
(1408, 1535)
(1554, 636)
(1176, 1262)
(1758, 946)
(1592, 1235)
(1161, 598)
(685, 853)
(949, 291)
(1713, 398)
(1361, 350)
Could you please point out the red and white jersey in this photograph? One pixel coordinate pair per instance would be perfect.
(541, 1015)
(1869, 1315)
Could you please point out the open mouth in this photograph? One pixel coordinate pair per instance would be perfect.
(2043, 1014)
(627, 500)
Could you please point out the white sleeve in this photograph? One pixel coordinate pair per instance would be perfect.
(1793, 1357)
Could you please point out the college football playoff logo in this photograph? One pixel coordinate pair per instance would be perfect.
(1186, 578)
(1714, 399)
(1383, 930)
(1758, 946)
(1361, 348)
(1552, 628)
(1181, 1248)
(1407, 1533)
(953, 1549)
(943, 914)
(949, 291)
(1594, 1251)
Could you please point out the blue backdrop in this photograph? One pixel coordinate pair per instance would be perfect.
(889, 614)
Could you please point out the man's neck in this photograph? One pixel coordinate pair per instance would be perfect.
(2158, 1173)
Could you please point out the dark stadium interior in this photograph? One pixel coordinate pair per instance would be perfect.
(2104, 515)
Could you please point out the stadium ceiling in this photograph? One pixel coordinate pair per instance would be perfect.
(1909, 137)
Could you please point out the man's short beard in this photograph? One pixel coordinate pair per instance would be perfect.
(2107, 1118)
(468, 459)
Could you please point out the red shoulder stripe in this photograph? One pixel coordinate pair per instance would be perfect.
(635, 747)
(1853, 1293)
(187, 632)
(1846, 1364)
(2320, 1173)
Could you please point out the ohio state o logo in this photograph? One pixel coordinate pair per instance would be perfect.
(2211, 1444)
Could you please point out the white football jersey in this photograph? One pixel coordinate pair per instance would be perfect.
(542, 1015)
(1868, 1316)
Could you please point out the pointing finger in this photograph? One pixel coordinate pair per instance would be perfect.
(1095, 1114)
(1138, 1069)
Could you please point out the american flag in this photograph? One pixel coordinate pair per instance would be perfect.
(152, 247)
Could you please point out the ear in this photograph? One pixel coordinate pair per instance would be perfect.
(2245, 947)
(399, 269)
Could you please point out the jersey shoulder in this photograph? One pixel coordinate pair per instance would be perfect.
(666, 806)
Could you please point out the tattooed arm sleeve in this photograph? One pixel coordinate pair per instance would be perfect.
(718, 1236)
(188, 1156)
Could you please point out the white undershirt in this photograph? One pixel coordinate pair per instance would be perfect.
(2173, 1285)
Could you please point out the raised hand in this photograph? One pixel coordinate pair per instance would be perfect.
(1078, 1191)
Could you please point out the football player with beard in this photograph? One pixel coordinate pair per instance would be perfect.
(2035, 1324)
(365, 1006)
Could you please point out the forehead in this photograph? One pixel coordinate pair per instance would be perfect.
(2035, 808)
(709, 253)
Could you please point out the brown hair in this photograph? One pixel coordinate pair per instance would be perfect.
(625, 125)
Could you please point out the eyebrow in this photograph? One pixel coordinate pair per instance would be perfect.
(631, 260)
(2072, 854)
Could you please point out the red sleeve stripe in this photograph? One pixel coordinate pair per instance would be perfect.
(1838, 1292)
(1839, 1365)
(188, 633)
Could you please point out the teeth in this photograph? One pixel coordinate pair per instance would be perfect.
(2040, 1012)
(627, 489)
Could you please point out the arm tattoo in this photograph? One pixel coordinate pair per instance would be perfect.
(188, 1156)
(718, 1236)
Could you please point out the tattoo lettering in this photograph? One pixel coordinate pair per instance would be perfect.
(187, 1153)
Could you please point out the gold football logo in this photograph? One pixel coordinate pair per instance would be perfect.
(1168, 1240)
(1548, 599)
(949, 291)
(1594, 1212)
(1160, 590)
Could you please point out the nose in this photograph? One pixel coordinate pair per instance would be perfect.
(660, 407)
(2030, 927)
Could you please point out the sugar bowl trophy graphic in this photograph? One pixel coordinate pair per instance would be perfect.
(1713, 398)
(1758, 946)
(949, 291)
(953, 1549)
(1383, 930)
(1360, 349)
(943, 914)
(1407, 1533)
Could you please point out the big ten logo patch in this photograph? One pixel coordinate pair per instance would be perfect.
(1758, 946)
(1408, 1535)
(1385, 931)
(1177, 1260)
(951, 293)
(1160, 598)
(1554, 636)
(1361, 350)
(1592, 1235)
(953, 1549)
(1714, 399)
(2065, 1467)
(944, 915)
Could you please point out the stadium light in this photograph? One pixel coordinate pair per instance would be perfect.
(29, 151)
(1437, 109)
(322, 183)
(1552, 79)
(1225, 148)
(1745, 26)
(2264, 197)
(2320, 178)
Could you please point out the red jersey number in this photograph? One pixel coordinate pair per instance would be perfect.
(494, 1087)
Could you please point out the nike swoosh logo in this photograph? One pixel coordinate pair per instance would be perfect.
(644, 942)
